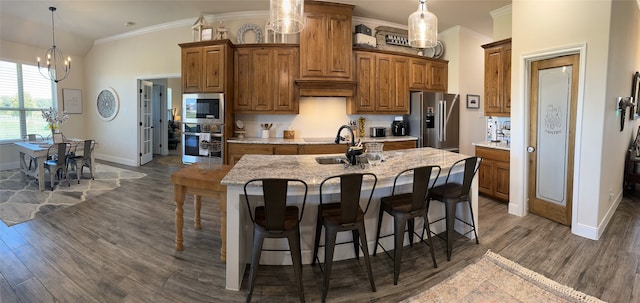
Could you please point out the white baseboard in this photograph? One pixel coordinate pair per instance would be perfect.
(118, 160)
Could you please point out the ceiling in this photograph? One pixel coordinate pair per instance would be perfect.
(79, 22)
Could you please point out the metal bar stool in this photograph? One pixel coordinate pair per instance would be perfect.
(451, 193)
(56, 160)
(404, 208)
(276, 219)
(345, 215)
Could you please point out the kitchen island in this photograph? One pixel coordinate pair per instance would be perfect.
(305, 167)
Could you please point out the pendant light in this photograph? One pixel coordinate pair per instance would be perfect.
(57, 68)
(423, 27)
(286, 16)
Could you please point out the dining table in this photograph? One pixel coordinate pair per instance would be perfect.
(36, 151)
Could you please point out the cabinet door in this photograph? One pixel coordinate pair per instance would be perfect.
(313, 45)
(385, 84)
(339, 46)
(493, 77)
(438, 77)
(507, 80)
(502, 180)
(261, 85)
(191, 69)
(395, 145)
(242, 80)
(283, 86)
(366, 77)
(312, 149)
(401, 85)
(213, 69)
(485, 177)
(417, 73)
(288, 149)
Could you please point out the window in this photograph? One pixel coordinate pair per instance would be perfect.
(23, 94)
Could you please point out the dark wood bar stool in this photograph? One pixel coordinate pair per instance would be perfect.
(451, 193)
(276, 219)
(404, 208)
(344, 215)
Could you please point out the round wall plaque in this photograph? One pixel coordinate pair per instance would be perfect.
(107, 104)
(249, 27)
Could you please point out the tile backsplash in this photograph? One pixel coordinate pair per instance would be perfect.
(502, 126)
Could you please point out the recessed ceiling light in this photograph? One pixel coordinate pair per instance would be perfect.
(129, 23)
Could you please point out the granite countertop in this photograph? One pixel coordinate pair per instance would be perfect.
(497, 145)
(306, 168)
(320, 140)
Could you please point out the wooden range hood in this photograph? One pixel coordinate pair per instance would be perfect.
(326, 88)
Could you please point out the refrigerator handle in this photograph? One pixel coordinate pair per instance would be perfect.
(443, 121)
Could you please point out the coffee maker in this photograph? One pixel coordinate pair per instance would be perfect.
(399, 127)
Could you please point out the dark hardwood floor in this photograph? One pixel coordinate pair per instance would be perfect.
(119, 247)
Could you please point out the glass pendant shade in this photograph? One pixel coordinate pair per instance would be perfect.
(286, 16)
(423, 27)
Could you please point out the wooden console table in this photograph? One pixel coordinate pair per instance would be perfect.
(200, 180)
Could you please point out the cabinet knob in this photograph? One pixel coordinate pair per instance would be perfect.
(531, 149)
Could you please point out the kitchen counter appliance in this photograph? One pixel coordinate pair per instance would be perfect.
(377, 132)
(399, 127)
(435, 120)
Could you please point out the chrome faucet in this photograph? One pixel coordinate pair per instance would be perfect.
(351, 153)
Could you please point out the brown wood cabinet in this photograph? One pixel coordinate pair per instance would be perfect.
(264, 79)
(428, 75)
(497, 78)
(205, 66)
(493, 177)
(237, 150)
(383, 84)
(325, 42)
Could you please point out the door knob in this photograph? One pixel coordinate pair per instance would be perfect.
(531, 149)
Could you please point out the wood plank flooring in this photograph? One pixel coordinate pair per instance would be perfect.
(119, 247)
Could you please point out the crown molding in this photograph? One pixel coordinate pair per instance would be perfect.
(505, 10)
(211, 18)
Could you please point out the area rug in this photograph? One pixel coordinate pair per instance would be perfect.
(497, 279)
(20, 199)
(169, 160)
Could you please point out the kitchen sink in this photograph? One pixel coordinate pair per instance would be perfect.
(331, 160)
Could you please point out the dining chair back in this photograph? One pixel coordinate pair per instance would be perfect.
(453, 192)
(404, 208)
(79, 162)
(56, 162)
(343, 215)
(276, 218)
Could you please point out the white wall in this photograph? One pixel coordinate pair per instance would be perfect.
(598, 142)
(501, 23)
(463, 49)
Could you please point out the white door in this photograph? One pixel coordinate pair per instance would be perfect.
(157, 118)
(146, 121)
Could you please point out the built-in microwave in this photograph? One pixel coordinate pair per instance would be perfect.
(206, 108)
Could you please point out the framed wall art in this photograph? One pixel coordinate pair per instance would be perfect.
(473, 101)
(72, 101)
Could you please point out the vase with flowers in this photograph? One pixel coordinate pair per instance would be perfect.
(54, 119)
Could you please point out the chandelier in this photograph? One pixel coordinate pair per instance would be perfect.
(286, 16)
(423, 27)
(57, 68)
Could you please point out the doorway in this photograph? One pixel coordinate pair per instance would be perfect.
(552, 128)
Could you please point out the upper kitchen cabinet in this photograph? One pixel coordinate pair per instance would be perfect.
(428, 75)
(497, 78)
(383, 84)
(206, 66)
(264, 77)
(325, 42)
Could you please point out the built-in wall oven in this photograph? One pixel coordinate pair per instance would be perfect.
(203, 143)
(203, 127)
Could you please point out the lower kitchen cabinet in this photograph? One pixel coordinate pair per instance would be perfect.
(493, 177)
(237, 150)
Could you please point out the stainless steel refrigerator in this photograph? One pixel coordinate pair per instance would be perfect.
(435, 120)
